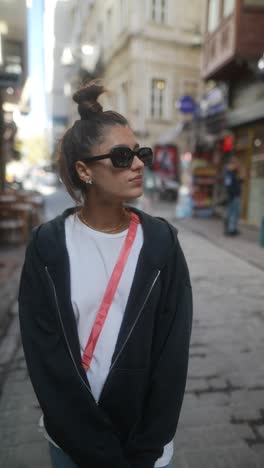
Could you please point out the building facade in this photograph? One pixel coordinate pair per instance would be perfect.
(149, 57)
(233, 55)
(69, 19)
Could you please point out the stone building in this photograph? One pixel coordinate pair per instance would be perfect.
(148, 53)
(233, 55)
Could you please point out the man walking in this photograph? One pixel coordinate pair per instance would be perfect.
(232, 181)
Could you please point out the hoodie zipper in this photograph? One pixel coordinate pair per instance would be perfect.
(130, 333)
(123, 346)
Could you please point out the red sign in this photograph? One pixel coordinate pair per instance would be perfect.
(228, 144)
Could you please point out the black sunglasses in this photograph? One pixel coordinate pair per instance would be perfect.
(122, 157)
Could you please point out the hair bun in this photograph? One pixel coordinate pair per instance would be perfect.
(86, 98)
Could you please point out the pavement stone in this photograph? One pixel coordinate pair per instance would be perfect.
(244, 412)
(234, 456)
(179, 461)
(246, 246)
(10, 268)
(9, 345)
(259, 449)
(197, 385)
(22, 446)
(30, 455)
(207, 400)
(195, 416)
(247, 397)
(224, 435)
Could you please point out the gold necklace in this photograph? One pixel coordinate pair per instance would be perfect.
(106, 231)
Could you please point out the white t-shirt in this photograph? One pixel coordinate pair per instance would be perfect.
(93, 256)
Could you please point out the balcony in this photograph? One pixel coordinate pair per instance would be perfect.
(237, 40)
(219, 48)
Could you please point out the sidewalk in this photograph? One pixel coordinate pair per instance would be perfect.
(246, 245)
(10, 269)
(21, 444)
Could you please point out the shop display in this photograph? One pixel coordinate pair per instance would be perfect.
(203, 182)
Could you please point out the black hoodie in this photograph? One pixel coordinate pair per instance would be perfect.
(139, 407)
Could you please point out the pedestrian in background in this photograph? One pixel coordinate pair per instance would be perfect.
(233, 178)
(105, 306)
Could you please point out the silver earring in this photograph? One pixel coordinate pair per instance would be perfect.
(88, 181)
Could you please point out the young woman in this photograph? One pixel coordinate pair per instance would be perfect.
(106, 306)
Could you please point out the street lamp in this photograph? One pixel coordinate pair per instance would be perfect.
(261, 63)
(67, 56)
(88, 49)
(88, 56)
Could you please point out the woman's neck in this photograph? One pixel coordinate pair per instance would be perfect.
(103, 216)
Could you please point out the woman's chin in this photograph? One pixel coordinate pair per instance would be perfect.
(132, 194)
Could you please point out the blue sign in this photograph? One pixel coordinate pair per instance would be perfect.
(187, 105)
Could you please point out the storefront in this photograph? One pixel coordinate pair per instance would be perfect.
(208, 158)
(203, 183)
(249, 147)
(256, 184)
(240, 132)
(246, 120)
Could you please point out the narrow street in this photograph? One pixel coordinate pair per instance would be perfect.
(222, 421)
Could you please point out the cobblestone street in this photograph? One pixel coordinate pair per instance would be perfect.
(222, 421)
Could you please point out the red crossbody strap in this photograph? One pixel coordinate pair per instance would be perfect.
(110, 291)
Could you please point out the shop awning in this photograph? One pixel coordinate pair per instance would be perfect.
(246, 114)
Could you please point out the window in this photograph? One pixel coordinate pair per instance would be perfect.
(159, 11)
(228, 7)
(158, 88)
(213, 15)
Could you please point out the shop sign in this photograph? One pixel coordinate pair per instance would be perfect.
(187, 105)
(214, 102)
(228, 144)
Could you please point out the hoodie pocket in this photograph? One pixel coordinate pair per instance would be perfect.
(123, 399)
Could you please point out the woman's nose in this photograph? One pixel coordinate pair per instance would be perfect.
(137, 163)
